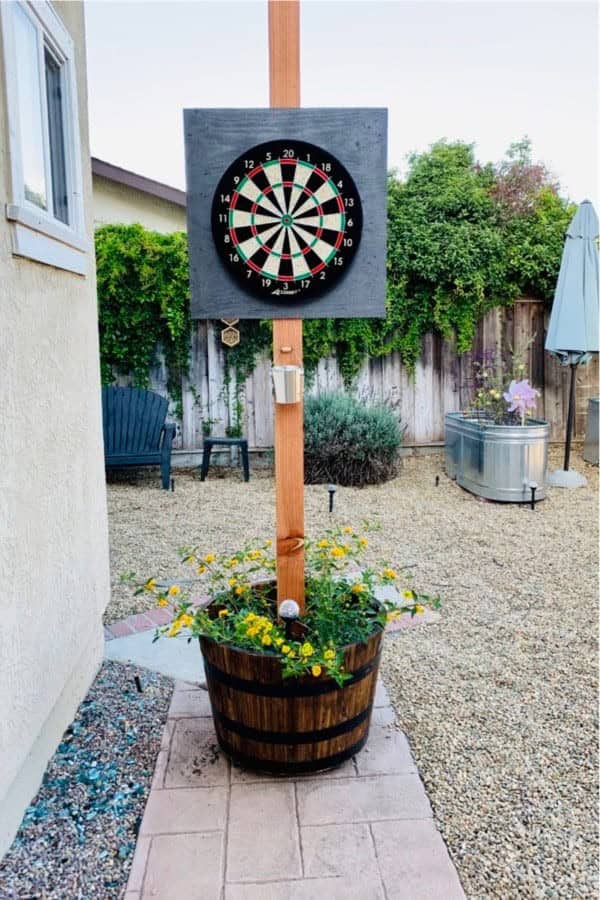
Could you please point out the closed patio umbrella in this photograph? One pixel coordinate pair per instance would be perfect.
(574, 321)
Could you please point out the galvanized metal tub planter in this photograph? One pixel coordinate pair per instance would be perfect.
(289, 725)
(498, 462)
(590, 450)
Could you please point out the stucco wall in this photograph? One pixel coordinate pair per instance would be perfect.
(53, 525)
(119, 204)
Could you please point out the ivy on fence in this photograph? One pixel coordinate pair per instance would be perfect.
(462, 238)
(143, 304)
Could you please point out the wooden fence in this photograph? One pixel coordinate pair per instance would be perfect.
(442, 382)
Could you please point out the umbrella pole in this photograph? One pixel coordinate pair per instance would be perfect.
(570, 415)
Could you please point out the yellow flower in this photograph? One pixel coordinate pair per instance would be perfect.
(250, 617)
(174, 590)
(233, 562)
(239, 590)
(209, 558)
(390, 573)
(419, 608)
(323, 543)
(338, 552)
(186, 619)
(255, 554)
(316, 670)
(408, 595)
(329, 654)
(269, 543)
(253, 631)
(358, 588)
(201, 570)
(175, 628)
(291, 655)
(307, 649)
(392, 616)
(163, 601)
(232, 582)
(278, 642)
(285, 649)
(150, 584)
(223, 613)
(363, 542)
(347, 530)
(267, 640)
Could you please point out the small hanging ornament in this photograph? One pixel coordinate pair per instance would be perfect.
(230, 336)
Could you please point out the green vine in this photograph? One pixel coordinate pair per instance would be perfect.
(143, 304)
(462, 238)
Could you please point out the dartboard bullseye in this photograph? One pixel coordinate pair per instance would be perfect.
(287, 220)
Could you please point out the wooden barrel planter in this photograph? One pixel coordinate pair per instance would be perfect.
(291, 725)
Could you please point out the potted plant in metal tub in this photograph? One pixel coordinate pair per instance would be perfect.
(290, 694)
(495, 449)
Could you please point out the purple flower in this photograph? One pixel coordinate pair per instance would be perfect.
(521, 398)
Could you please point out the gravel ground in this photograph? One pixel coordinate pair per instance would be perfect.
(499, 699)
(77, 838)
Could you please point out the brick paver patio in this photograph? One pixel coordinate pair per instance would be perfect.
(211, 831)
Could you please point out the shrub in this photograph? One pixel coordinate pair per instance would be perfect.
(347, 442)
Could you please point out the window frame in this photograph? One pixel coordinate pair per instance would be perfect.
(37, 234)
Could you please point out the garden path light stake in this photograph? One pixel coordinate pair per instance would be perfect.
(332, 489)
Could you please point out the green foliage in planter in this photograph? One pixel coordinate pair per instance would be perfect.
(347, 442)
(341, 602)
(143, 303)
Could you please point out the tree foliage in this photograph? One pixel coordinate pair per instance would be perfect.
(462, 238)
(143, 303)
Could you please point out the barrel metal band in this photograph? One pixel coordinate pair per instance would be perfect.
(274, 765)
(287, 737)
(290, 689)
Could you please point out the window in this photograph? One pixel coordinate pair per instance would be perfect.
(44, 142)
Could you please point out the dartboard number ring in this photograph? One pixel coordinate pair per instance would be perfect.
(287, 220)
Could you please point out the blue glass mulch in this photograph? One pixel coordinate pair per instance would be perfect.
(78, 835)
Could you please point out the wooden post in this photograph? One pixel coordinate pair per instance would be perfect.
(284, 83)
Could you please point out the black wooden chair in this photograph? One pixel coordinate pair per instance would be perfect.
(135, 433)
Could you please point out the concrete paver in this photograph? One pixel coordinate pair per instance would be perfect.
(338, 851)
(368, 799)
(195, 759)
(245, 776)
(382, 698)
(138, 866)
(263, 840)
(189, 704)
(308, 889)
(213, 831)
(185, 810)
(184, 867)
(386, 753)
(414, 862)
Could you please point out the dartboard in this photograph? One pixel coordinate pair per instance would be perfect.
(287, 220)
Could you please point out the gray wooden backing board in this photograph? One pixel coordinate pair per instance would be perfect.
(214, 138)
